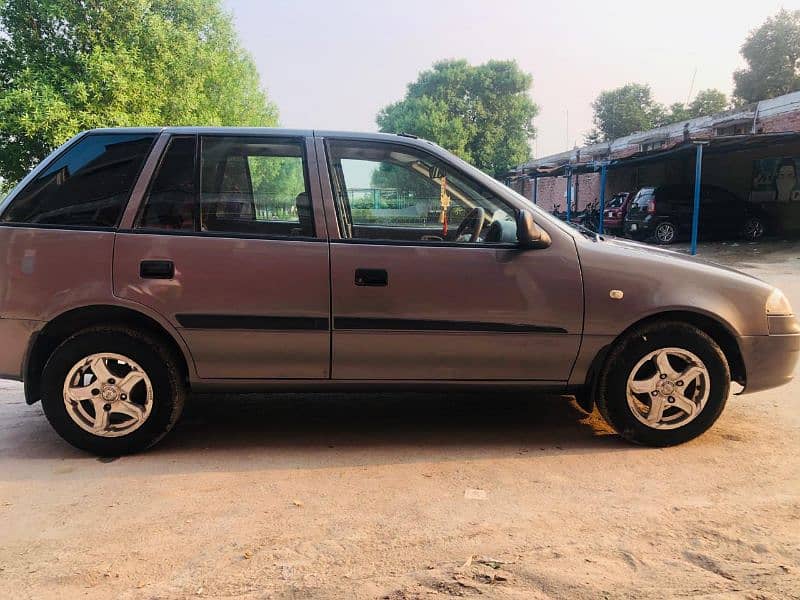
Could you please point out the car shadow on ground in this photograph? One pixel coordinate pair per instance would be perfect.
(235, 432)
(435, 421)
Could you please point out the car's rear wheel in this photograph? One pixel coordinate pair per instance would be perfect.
(663, 384)
(665, 233)
(112, 391)
(753, 229)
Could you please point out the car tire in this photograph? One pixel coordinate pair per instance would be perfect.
(647, 401)
(665, 233)
(753, 229)
(112, 390)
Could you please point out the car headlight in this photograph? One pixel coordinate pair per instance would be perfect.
(778, 304)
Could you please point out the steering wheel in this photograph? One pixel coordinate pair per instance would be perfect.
(475, 219)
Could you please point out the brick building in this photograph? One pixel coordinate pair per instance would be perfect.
(757, 149)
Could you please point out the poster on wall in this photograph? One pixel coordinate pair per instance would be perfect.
(776, 180)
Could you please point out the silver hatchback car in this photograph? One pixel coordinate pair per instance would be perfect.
(140, 264)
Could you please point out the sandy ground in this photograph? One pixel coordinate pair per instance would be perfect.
(411, 496)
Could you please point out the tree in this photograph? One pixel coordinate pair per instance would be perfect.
(631, 108)
(707, 102)
(772, 53)
(625, 110)
(481, 113)
(66, 66)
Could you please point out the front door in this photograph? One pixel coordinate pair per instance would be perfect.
(228, 247)
(428, 282)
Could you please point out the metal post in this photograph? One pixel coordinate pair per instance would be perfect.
(603, 169)
(569, 194)
(535, 189)
(698, 175)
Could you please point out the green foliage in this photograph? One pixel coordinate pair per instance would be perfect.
(5, 187)
(481, 113)
(707, 102)
(772, 52)
(625, 110)
(66, 66)
(276, 181)
(405, 181)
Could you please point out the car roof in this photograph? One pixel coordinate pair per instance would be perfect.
(357, 135)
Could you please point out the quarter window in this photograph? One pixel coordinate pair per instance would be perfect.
(254, 185)
(389, 191)
(88, 185)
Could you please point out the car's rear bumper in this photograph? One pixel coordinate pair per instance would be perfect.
(15, 337)
(638, 229)
(769, 360)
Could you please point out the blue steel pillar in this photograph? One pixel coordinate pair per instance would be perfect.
(569, 194)
(698, 175)
(535, 189)
(602, 208)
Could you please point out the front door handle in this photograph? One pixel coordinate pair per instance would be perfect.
(372, 277)
(156, 269)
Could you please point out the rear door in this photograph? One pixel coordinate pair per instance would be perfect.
(229, 246)
(415, 298)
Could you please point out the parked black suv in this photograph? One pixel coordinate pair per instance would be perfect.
(665, 214)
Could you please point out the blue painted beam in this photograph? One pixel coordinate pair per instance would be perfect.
(698, 175)
(602, 208)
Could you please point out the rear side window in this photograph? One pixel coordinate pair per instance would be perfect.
(643, 198)
(254, 185)
(88, 185)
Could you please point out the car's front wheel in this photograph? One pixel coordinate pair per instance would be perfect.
(663, 384)
(112, 391)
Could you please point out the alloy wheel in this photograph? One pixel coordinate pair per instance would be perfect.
(665, 233)
(668, 388)
(753, 229)
(108, 395)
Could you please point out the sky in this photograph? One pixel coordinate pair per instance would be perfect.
(335, 64)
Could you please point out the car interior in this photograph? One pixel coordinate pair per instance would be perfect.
(252, 186)
(427, 201)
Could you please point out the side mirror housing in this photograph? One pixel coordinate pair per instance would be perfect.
(529, 234)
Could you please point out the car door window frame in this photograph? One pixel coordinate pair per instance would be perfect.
(139, 196)
(328, 168)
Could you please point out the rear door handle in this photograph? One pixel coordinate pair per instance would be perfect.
(156, 269)
(372, 277)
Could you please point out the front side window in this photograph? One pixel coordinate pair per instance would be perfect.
(88, 185)
(387, 191)
(254, 185)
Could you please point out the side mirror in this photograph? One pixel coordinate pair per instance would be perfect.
(529, 234)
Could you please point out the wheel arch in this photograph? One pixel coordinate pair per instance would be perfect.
(70, 322)
(714, 328)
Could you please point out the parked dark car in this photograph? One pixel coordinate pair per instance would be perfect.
(664, 214)
(142, 264)
(615, 211)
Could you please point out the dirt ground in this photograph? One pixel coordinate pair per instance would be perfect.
(411, 496)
